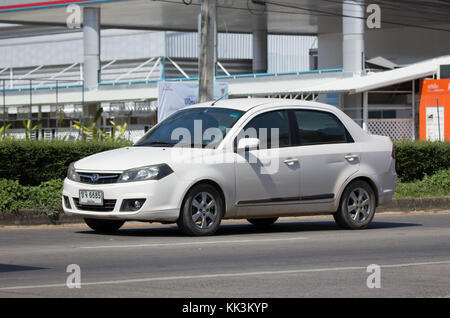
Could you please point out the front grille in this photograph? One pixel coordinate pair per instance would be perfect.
(108, 206)
(98, 178)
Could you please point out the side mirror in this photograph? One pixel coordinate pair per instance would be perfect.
(248, 144)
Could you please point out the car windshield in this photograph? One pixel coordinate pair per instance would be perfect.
(192, 127)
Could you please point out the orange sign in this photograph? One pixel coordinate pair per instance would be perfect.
(434, 111)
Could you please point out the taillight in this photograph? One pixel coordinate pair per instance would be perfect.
(393, 153)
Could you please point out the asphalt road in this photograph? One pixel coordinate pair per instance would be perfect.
(297, 257)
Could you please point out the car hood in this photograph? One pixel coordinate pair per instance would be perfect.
(133, 157)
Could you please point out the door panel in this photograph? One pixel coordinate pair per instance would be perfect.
(324, 168)
(263, 176)
(270, 174)
(328, 153)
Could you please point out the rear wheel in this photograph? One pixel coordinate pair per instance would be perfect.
(262, 222)
(202, 211)
(357, 206)
(104, 226)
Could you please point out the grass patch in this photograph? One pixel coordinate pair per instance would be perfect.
(430, 186)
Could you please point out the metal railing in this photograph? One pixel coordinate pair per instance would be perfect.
(7, 86)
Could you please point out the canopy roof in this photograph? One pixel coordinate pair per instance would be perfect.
(358, 84)
(284, 16)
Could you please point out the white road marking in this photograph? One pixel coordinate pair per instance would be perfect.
(223, 275)
(196, 243)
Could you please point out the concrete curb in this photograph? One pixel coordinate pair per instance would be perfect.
(33, 217)
(416, 204)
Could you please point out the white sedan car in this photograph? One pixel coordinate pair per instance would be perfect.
(254, 159)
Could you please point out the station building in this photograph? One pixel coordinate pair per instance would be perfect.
(327, 51)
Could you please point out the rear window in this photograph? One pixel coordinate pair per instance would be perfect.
(317, 127)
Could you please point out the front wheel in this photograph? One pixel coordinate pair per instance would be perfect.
(104, 226)
(357, 206)
(202, 211)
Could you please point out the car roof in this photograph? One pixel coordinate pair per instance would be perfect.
(245, 104)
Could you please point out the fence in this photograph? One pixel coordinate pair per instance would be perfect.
(15, 114)
(57, 118)
(132, 133)
(396, 129)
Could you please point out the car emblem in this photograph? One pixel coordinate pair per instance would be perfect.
(94, 177)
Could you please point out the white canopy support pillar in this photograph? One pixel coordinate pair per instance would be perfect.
(91, 67)
(259, 38)
(365, 111)
(353, 36)
(415, 113)
(353, 59)
(91, 40)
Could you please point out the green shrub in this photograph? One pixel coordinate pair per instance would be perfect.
(435, 185)
(415, 159)
(45, 197)
(12, 195)
(34, 161)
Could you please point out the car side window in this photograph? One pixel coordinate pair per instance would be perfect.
(317, 127)
(271, 128)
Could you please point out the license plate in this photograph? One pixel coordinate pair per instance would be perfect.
(91, 197)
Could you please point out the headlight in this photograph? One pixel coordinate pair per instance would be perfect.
(72, 174)
(154, 172)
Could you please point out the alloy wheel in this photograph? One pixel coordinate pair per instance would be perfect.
(359, 205)
(203, 210)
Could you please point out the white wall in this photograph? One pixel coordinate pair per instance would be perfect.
(285, 53)
(67, 48)
(329, 50)
(407, 45)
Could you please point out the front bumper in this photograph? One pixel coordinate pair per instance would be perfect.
(161, 202)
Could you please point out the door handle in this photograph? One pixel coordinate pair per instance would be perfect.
(351, 157)
(290, 162)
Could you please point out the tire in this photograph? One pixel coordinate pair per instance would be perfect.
(357, 206)
(104, 226)
(201, 212)
(263, 222)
